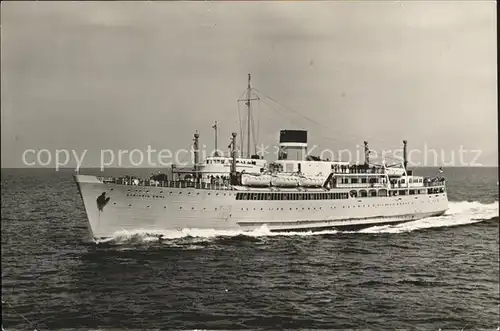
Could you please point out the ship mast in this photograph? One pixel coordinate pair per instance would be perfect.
(248, 103)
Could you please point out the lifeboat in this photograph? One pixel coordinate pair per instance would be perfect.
(285, 181)
(395, 171)
(256, 181)
(311, 182)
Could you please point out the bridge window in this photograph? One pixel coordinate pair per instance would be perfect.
(363, 193)
(412, 192)
(402, 192)
(373, 193)
(363, 180)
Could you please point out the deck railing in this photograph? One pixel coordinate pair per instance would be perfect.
(169, 183)
(226, 186)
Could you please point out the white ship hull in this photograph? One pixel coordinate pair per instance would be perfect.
(156, 209)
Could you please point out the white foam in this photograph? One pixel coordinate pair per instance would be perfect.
(151, 235)
(459, 213)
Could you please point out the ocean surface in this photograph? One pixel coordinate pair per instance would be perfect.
(431, 274)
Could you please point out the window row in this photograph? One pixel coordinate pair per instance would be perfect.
(291, 196)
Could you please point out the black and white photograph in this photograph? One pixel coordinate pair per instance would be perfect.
(249, 165)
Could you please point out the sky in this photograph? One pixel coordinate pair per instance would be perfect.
(125, 75)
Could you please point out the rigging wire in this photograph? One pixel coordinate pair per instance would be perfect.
(241, 128)
(385, 155)
(20, 315)
(312, 120)
(283, 114)
(261, 96)
(190, 148)
(300, 125)
(253, 135)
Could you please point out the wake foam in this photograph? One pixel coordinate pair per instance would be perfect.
(152, 236)
(459, 213)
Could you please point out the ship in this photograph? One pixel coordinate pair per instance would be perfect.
(295, 192)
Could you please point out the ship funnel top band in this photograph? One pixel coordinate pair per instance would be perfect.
(293, 136)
